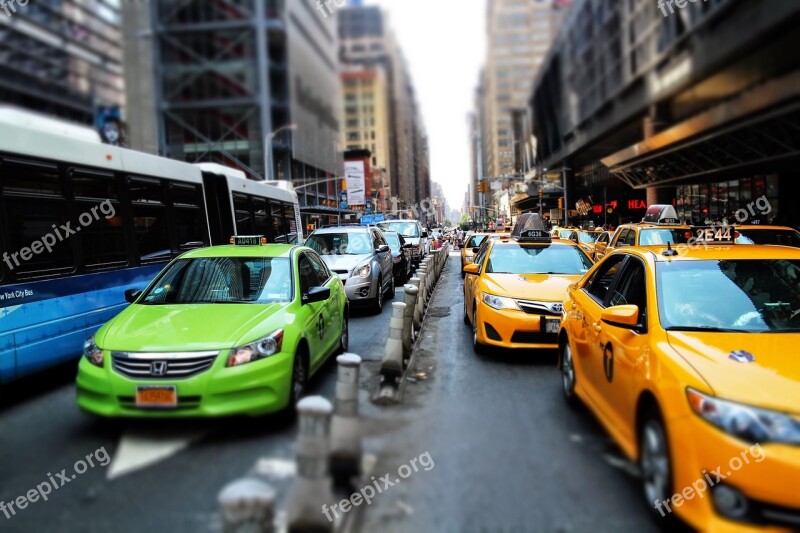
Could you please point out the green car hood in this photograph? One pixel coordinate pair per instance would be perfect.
(188, 327)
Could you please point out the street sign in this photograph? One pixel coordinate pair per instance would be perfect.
(342, 199)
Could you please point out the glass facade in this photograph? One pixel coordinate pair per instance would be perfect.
(716, 201)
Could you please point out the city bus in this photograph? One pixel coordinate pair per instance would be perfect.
(81, 222)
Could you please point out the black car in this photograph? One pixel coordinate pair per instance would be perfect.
(401, 256)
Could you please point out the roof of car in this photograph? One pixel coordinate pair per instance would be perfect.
(749, 227)
(229, 250)
(342, 229)
(713, 252)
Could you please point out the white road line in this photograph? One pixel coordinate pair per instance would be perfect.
(138, 450)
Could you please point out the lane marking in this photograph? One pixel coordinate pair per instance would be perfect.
(139, 449)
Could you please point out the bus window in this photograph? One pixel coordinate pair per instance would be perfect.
(33, 218)
(191, 223)
(103, 241)
(149, 219)
(243, 213)
(277, 220)
(261, 219)
(290, 221)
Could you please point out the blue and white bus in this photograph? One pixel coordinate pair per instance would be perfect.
(81, 222)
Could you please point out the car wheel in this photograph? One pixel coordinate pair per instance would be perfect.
(391, 292)
(466, 316)
(568, 375)
(299, 375)
(655, 464)
(344, 343)
(377, 306)
(477, 347)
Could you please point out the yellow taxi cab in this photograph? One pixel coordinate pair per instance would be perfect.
(474, 242)
(660, 226)
(514, 290)
(587, 239)
(688, 359)
(766, 234)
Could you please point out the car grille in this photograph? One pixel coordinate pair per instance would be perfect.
(534, 337)
(535, 308)
(150, 365)
(491, 332)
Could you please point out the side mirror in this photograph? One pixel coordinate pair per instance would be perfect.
(472, 268)
(316, 294)
(382, 249)
(621, 316)
(475, 250)
(131, 295)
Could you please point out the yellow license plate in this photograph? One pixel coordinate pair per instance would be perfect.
(162, 397)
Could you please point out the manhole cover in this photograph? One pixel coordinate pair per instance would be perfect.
(439, 311)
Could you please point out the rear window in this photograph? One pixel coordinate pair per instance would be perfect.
(765, 236)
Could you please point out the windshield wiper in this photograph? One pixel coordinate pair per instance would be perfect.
(708, 329)
(226, 302)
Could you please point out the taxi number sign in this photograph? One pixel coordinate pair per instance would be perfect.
(534, 234)
(157, 397)
(714, 235)
(247, 241)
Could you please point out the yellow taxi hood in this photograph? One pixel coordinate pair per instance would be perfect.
(759, 369)
(542, 287)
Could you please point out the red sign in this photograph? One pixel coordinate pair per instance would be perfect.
(637, 204)
(596, 209)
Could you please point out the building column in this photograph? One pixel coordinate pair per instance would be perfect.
(652, 125)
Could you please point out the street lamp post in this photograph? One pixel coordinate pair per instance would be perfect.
(269, 172)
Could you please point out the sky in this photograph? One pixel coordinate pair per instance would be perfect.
(444, 42)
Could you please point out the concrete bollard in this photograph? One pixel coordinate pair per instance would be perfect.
(410, 300)
(311, 488)
(345, 460)
(423, 291)
(248, 506)
(392, 363)
(417, 309)
(435, 254)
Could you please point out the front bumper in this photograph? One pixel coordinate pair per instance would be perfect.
(509, 328)
(256, 388)
(360, 290)
(763, 474)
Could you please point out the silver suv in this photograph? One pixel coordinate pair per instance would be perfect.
(362, 259)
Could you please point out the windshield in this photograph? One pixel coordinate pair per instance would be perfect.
(779, 237)
(748, 295)
(222, 280)
(393, 240)
(546, 259)
(475, 241)
(656, 237)
(588, 237)
(406, 229)
(564, 233)
(340, 243)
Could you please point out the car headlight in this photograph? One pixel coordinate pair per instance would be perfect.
(255, 351)
(499, 302)
(363, 271)
(92, 352)
(751, 424)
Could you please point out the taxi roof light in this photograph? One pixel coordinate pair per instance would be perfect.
(661, 214)
(248, 240)
(530, 228)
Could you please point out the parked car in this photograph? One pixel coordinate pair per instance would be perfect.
(362, 259)
(413, 232)
(401, 256)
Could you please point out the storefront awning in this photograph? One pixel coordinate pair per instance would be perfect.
(755, 129)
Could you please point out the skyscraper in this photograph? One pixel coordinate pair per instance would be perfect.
(61, 58)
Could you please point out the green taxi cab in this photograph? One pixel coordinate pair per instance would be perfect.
(220, 331)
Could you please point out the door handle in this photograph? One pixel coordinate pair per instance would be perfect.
(597, 327)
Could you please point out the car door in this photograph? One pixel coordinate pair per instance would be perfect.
(384, 258)
(624, 349)
(332, 310)
(313, 314)
(586, 308)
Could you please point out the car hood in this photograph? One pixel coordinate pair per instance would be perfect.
(344, 262)
(541, 287)
(187, 327)
(772, 380)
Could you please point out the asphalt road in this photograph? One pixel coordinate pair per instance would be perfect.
(509, 455)
(157, 476)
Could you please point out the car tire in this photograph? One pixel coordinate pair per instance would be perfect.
(299, 376)
(344, 339)
(377, 305)
(655, 466)
(391, 292)
(477, 347)
(568, 376)
(466, 316)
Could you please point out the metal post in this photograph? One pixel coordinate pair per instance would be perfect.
(566, 202)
